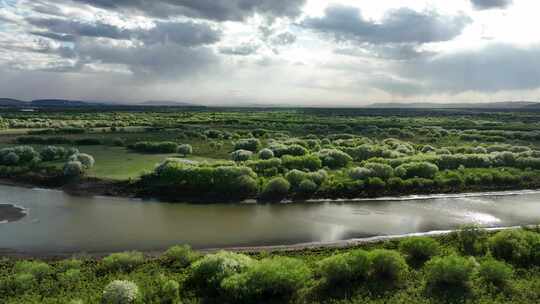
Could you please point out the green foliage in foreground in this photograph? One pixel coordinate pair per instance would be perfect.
(375, 273)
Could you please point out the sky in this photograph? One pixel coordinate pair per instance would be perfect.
(271, 52)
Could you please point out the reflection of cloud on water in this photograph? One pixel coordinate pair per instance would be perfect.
(477, 200)
(482, 218)
(333, 233)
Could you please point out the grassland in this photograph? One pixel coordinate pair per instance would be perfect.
(333, 153)
(441, 270)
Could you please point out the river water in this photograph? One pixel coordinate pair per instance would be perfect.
(57, 222)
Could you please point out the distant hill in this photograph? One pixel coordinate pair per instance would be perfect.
(458, 105)
(63, 103)
(165, 103)
(66, 103)
(533, 106)
(9, 102)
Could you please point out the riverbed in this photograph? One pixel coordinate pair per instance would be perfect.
(56, 222)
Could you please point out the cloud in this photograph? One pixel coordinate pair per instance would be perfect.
(494, 68)
(79, 28)
(151, 62)
(219, 10)
(385, 51)
(491, 4)
(403, 25)
(186, 33)
(55, 36)
(244, 49)
(282, 39)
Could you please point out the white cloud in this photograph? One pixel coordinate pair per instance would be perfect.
(262, 51)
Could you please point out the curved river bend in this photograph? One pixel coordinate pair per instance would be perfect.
(56, 222)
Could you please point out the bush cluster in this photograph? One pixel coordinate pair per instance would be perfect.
(155, 147)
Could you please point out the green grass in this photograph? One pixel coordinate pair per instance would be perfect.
(120, 164)
(51, 285)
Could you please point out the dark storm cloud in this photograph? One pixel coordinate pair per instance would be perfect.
(492, 69)
(220, 10)
(491, 4)
(156, 61)
(402, 25)
(80, 28)
(395, 86)
(183, 33)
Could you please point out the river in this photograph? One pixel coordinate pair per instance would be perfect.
(56, 222)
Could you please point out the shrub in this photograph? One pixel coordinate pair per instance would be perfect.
(249, 144)
(73, 169)
(318, 177)
(66, 265)
(307, 187)
(274, 280)
(88, 142)
(72, 151)
(495, 272)
(334, 158)
(471, 240)
(380, 170)
(51, 153)
(241, 155)
(179, 256)
(417, 169)
(18, 155)
(395, 183)
(120, 292)
(388, 265)
(265, 167)
(516, 246)
(419, 249)
(26, 153)
(23, 282)
(295, 150)
(375, 184)
(360, 173)
(275, 190)
(208, 272)
(155, 147)
(11, 159)
(39, 270)
(119, 142)
(427, 149)
(291, 150)
(185, 150)
(244, 187)
(70, 277)
(308, 162)
(295, 177)
(449, 271)
(228, 181)
(344, 269)
(169, 292)
(85, 159)
(266, 154)
(123, 261)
